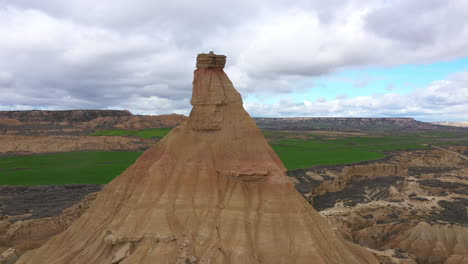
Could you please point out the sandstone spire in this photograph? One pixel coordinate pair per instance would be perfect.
(212, 191)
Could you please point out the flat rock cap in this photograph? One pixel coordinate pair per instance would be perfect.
(211, 61)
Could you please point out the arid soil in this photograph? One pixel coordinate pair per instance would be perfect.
(415, 201)
(29, 216)
(32, 202)
(21, 145)
(404, 207)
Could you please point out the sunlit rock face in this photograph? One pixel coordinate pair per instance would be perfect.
(212, 191)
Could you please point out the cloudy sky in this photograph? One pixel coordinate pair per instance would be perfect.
(351, 58)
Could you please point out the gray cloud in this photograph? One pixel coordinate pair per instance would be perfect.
(140, 55)
(419, 23)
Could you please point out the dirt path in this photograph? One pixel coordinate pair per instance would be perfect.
(451, 151)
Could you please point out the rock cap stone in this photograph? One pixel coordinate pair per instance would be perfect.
(211, 61)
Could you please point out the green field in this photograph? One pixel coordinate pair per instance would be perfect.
(144, 133)
(87, 167)
(326, 150)
(296, 158)
(295, 149)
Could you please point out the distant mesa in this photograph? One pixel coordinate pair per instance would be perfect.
(85, 119)
(350, 123)
(211, 192)
(62, 115)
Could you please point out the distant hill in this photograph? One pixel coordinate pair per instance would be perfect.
(455, 124)
(346, 123)
(31, 116)
(34, 120)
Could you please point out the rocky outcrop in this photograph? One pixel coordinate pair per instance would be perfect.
(414, 201)
(13, 144)
(330, 179)
(212, 191)
(8, 256)
(393, 256)
(433, 158)
(435, 244)
(212, 61)
(457, 259)
(369, 171)
(20, 233)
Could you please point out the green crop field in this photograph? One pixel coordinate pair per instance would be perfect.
(144, 133)
(295, 149)
(87, 167)
(297, 157)
(322, 150)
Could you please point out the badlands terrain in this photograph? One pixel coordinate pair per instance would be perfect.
(29, 132)
(211, 191)
(408, 203)
(387, 190)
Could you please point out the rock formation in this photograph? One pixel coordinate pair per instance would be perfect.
(20, 233)
(434, 243)
(212, 191)
(412, 205)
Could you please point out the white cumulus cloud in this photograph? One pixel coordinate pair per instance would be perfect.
(140, 54)
(441, 100)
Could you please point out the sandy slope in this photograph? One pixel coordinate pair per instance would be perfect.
(212, 191)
